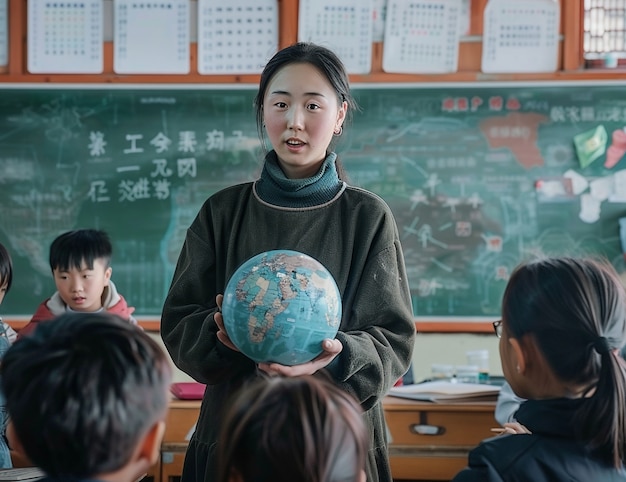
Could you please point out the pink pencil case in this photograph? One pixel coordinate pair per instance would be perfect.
(188, 390)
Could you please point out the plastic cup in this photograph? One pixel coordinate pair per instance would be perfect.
(442, 371)
(480, 359)
(467, 374)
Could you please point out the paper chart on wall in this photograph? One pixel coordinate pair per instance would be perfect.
(422, 36)
(4, 33)
(379, 14)
(65, 37)
(238, 37)
(344, 26)
(520, 36)
(151, 37)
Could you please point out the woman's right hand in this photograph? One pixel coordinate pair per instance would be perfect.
(222, 335)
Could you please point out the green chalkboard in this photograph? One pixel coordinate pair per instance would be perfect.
(479, 178)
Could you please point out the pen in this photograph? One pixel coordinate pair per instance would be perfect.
(497, 429)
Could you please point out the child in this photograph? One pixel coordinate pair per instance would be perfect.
(7, 336)
(563, 323)
(293, 429)
(88, 395)
(300, 202)
(80, 263)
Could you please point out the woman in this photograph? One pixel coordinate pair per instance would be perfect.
(299, 203)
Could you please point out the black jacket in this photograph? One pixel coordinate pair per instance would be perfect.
(550, 454)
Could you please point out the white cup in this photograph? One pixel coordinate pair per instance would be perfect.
(480, 358)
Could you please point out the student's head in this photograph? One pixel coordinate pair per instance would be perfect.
(87, 394)
(287, 429)
(303, 99)
(6, 272)
(80, 262)
(564, 321)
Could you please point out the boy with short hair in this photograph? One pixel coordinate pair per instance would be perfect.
(80, 263)
(88, 395)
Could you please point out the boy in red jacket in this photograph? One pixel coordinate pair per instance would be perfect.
(80, 263)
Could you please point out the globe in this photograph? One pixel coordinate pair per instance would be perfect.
(279, 306)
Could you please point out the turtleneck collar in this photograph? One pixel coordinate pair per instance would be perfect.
(275, 188)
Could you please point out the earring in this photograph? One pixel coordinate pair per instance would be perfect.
(338, 132)
(517, 368)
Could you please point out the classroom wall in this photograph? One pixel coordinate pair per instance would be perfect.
(429, 348)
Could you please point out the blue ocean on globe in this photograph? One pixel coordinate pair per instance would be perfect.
(279, 306)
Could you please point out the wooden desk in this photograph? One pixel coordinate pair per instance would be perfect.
(181, 419)
(430, 441)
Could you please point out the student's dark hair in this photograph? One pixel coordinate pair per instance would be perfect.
(286, 429)
(575, 309)
(82, 390)
(324, 60)
(71, 249)
(6, 267)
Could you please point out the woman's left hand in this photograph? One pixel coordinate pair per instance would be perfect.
(331, 348)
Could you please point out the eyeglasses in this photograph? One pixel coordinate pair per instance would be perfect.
(497, 327)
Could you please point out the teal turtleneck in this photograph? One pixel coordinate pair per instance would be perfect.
(275, 188)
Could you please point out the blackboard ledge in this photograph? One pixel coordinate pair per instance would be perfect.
(454, 325)
(150, 324)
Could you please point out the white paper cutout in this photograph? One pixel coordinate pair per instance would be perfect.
(619, 187)
(601, 188)
(589, 209)
(579, 182)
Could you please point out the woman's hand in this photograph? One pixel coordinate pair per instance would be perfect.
(331, 348)
(219, 321)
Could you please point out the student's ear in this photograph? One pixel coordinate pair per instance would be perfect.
(150, 447)
(107, 275)
(520, 355)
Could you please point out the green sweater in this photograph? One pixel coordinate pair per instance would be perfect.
(355, 237)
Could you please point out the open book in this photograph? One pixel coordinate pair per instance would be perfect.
(447, 392)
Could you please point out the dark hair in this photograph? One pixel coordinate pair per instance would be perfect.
(323, 59)
(82, 390)
(575, 309)
(286, 429)
(71, 249)
(6, 267)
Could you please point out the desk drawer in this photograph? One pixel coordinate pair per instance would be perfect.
(437, 428)
(181, 418)
(408, 464)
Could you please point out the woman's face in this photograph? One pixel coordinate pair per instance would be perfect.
(301, 112)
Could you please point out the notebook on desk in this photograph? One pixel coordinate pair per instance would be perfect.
(22, 473)
(447, 392)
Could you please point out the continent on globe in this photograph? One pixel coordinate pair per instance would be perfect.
(279, 306)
